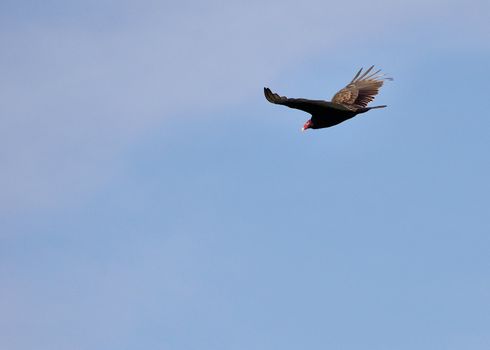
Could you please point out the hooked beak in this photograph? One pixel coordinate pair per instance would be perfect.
(307, 125)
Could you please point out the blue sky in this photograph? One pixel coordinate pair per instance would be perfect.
(152, 198)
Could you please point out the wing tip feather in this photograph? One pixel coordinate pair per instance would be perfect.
(270, 96)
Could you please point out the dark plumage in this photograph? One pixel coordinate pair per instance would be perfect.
(347, 103)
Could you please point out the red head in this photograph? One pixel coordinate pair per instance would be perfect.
(308, 125)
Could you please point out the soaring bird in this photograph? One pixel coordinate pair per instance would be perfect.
(347, 103)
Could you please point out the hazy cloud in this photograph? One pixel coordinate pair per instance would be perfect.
(80, 83)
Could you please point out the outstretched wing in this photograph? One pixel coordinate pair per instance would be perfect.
(309, 106)
(362, 89)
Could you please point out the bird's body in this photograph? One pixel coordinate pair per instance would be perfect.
(346, 103)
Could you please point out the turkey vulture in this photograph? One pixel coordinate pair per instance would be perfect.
(347, 103)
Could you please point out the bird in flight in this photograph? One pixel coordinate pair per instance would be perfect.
(345, 104)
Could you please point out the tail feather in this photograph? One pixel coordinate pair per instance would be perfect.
(365, 109)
